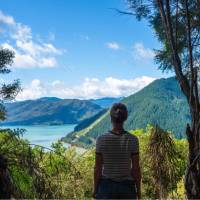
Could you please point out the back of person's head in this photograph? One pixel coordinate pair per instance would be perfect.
(118, 113)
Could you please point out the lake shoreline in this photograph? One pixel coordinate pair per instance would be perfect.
(43, 135)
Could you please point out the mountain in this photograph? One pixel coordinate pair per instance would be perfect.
(106, 102)
(161, 103)
(50, 99)
(49, 111)
(86, 122)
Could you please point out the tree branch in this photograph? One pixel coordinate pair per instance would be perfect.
(190, 49)
(176, 59)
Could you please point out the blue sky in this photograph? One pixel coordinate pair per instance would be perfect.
(77, 48)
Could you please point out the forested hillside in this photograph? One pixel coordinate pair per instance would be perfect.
(160, 103)
(49, 111)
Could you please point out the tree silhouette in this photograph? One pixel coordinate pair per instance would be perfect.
(10, 90)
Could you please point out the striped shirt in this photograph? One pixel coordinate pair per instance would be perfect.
(116, 150)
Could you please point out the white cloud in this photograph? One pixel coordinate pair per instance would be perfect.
(29, 51)
(113, 45)
(49, 62)
(142, 53)
(24, 61)
(33, 91)
(6, 19)
(90, 88)
(21, 32)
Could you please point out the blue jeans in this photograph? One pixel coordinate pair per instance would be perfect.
(108, 189)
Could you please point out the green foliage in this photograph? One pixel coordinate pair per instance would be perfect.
(36, 172)
(162, 159)
(174, 162)
(150, 11)
(6, 58)
(10, 90)
(22, 181)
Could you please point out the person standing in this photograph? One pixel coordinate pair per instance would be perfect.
(117, 171)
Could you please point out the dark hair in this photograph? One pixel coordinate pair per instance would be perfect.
(118, 113)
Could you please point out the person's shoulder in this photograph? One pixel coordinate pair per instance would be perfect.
(132, 136)
(103, 136)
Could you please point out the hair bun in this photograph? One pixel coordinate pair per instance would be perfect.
(118, 112)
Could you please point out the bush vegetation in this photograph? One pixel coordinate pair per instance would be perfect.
(37, 172)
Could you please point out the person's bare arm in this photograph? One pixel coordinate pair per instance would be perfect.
(97, 171)
(136, 173)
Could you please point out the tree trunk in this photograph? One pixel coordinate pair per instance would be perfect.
(192, 179)
(190, 89)
(5, 182)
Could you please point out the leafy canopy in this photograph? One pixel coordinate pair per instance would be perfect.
(10, 90)
(149, 10)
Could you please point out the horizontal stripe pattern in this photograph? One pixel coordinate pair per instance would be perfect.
(116, 151)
